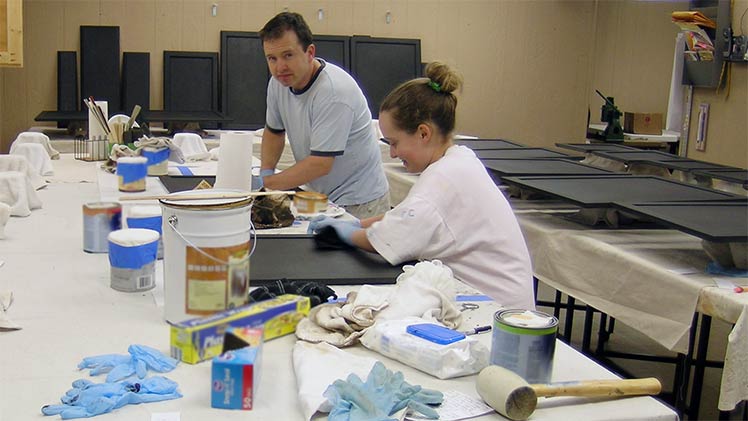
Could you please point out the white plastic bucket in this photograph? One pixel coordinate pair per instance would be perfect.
(207, 244)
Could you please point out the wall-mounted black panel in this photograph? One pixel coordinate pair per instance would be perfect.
(380, 64)
(67, 82)
(191, 82)
(334, 49)
(244, 80)
(100, 64)
(136, 81)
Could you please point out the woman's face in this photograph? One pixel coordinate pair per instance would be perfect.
(411, 148)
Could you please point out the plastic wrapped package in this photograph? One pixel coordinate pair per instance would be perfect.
(461, 358)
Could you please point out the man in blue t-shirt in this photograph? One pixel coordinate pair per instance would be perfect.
(325, 115)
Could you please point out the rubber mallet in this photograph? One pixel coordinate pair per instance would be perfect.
(511, 396)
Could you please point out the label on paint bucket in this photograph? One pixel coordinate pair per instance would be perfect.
(524, 342)
(213, 286)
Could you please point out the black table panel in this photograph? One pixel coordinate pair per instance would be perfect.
(603, 191)
(689, 165)
(175, 183)
(589, 147)
(733, 176)
(147, 116)
(297, 257)
(719, 222)
(480, 144)
(62, 116)
(184, 116)
(637, 156)
(518, 167)
(521, 153)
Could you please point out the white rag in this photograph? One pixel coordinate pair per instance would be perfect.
(37, 156)
(21, 164)
(6, 300)
(175, 153)
(4, 217)
(36, 137)
(17, 192)
(424, 290)
(317, 366)
(192, 146)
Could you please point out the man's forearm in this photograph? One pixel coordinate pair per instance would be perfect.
(272, 148)
(304, 171)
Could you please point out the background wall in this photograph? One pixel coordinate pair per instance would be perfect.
(530, 67)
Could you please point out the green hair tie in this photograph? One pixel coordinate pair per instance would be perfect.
(435, 86)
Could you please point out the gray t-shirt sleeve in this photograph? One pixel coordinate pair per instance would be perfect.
(272, 114)
(331, 126)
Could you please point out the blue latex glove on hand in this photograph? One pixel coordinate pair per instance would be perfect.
(141, 359)
(383, 394)
(258, 180)
(88, 399)
(344, 229)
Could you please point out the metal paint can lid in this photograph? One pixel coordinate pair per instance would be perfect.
(95, 208)
(527, 320)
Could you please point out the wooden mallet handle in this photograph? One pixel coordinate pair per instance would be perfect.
(592, 388)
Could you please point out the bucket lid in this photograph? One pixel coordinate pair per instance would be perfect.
(203, 204)
(132, 160)
(131, 237)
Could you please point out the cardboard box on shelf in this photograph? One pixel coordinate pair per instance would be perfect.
(642, 123)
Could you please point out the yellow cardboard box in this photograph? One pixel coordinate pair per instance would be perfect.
(202, 338)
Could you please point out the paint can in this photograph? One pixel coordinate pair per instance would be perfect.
(147, 217)
(310, 202)
(524, 342)
(132, 258)
(99, 219)
(207, 245)
(158, 160)
(131, 172)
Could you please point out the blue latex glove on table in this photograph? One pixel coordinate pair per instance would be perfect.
(141, 359)
(258, 180)
(344, 229)
(88, 399)
(383, 394)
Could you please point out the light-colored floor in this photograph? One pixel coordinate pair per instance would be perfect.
(626, 339)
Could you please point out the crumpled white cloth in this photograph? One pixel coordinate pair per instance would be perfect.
(4, 217)
(6, 300)
(425, 290)
(175, 153)
(17, 192)
(214, 153)
(21, 164)
(36, 137)
(192, 146)
(37, 156)
(317, 366)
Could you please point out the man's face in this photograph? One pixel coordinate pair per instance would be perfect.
(288, 62)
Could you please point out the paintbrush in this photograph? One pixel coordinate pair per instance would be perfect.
(101, 114)
(95, 114)
(133, 116)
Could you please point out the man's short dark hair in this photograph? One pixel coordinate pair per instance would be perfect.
(287, 21)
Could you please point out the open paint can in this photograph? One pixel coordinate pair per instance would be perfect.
(524, 342)
(207, 244)
(132, 257)
(310, 202)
